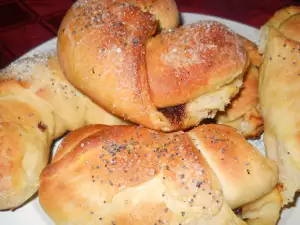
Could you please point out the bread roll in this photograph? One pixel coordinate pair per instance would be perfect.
(134, 175)
(168, 82)
(243, 112)
(37, 105)
(279, 88)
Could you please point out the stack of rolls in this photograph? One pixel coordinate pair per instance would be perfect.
(133, 87)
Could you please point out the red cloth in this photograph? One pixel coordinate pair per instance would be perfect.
(24, 24)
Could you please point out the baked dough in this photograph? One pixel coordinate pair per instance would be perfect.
(243, 112)
(264, 211)
(37, 105)
(168, 81)
(279, 88)
(133, 175)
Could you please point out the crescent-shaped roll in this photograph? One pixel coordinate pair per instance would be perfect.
(172, 80)
(37, 105)
(243, 112)
(134, 175)
(279, 88)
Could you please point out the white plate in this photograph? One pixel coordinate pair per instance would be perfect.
(33, 214)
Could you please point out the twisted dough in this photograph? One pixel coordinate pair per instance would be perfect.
(133, 175)
(168, 82)
(37, 105)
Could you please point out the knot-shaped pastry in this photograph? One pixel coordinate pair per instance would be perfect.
(131, 58)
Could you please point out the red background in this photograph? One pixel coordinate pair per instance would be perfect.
(25, 24)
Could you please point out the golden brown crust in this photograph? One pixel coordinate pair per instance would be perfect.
(121, 43)
(192, 60)
(146, 176)
(37, 105)
(110, 51)
(243, 113)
